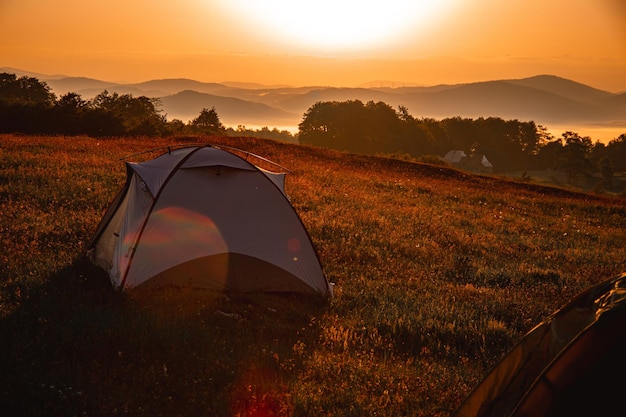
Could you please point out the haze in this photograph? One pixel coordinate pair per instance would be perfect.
(338, 43)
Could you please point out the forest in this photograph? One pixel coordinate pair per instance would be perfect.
(28, 106)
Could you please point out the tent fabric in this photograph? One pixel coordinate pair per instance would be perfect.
(570, 364)
(207, 218)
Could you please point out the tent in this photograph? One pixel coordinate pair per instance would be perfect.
(205, 217)
(571, 364)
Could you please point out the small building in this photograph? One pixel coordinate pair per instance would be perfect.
(476, 163)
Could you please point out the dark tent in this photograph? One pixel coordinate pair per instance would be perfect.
(571, 364)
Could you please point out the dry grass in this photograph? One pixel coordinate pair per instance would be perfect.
(438, 273)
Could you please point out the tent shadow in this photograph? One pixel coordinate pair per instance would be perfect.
(76, 346)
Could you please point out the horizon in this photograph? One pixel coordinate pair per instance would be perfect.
(603, 133)
(380, 83)
(336, 44)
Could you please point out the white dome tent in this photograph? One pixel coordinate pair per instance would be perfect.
(204, 217)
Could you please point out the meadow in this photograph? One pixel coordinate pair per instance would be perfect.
(437, 274)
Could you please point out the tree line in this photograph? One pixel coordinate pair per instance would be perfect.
(510, 145)
(27, 105)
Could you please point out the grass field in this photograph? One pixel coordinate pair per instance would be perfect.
(437, 274)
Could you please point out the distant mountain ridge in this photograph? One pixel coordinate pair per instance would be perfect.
(188, 104)
(545, 99)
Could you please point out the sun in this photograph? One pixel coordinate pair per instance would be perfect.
(335, 25)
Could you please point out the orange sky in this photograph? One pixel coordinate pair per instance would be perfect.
(340, 43)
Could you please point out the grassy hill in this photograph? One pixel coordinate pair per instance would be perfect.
(437, 274)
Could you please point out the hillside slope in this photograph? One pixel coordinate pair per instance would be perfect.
(437, 274)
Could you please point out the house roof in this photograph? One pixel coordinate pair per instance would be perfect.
(455, 156)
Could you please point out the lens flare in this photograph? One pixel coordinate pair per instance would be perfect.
(177, 230)
(172, 236)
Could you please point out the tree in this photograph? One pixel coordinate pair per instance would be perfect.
(141, 116)
(616, 151)
(438, 135)
(25, 105)
(24, 91)
(208, 122)
(136, 115)
(573, 159)
(352, 126)
(462, 132)
(330, 124)
(605, 166)
(264, 132)
(175, 126)
(548, 154)
(69, 111)
(382, 127)
(71, 102)
(415, 137)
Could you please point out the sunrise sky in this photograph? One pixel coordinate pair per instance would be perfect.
(326, 42)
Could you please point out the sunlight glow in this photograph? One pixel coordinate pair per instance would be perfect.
(175, 234)
(340, 24)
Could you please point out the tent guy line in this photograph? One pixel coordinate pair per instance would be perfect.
(170, 148)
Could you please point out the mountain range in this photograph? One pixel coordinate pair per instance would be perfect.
(545, 99)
